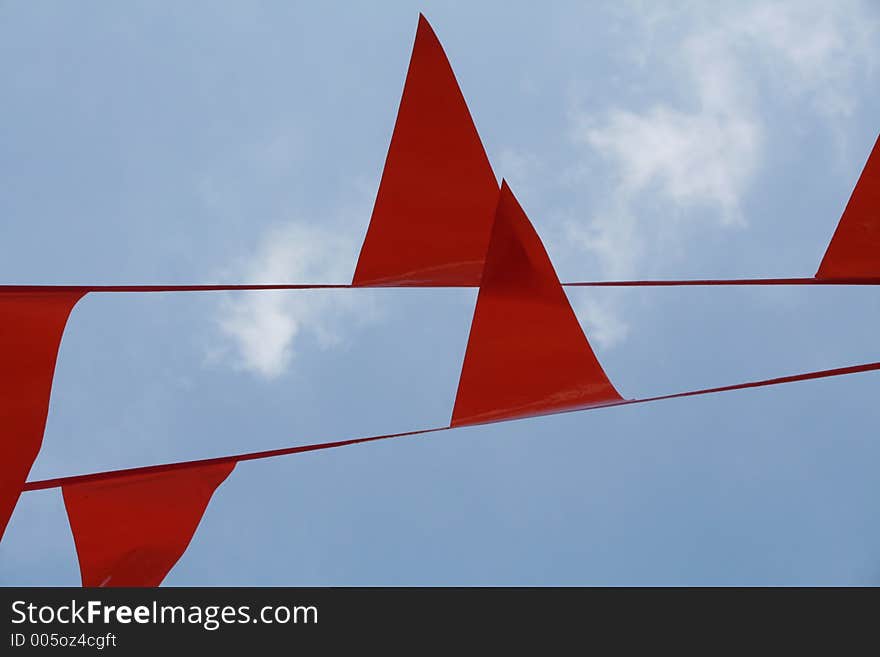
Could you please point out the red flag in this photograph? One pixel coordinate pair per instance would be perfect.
(31, 325)
(854, 251)
(434, 209)
(526, 354)
(130, 531)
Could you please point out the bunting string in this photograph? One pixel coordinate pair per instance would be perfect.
(440, 220)
(44, 484)
(697, 282)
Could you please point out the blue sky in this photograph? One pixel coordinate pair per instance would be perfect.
(215, 142)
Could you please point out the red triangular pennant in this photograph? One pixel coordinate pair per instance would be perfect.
(434, 209)
(131, 530)
(526, 354)
(854, 251)
(31, 326)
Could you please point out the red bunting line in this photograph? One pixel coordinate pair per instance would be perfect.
(727, 281)
(805, 376)
(251, 456)
(329, 286)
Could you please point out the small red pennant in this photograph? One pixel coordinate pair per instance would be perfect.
(130, 531)
(854, 251)
(31, 326)
(434, 209)
(526, 354)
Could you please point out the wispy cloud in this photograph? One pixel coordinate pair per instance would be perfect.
(605, 327)
(706, 156)
(260, 329)
(704, 150)
(692, 157)
(818, 50)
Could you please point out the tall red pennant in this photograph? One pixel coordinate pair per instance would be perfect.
(31, 326)
(526, 354)
(854, 251)
(434, 209)
(130, 531)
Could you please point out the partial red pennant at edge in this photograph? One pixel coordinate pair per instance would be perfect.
(854, 251)
(31, 327)
(436, 200)
(527, 353)
(132, 530)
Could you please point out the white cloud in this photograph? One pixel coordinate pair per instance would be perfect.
(261, 328)
(692, 157)
(604, 326)
(705, 150)
(603, 237)
(701, 157)
(819, 49)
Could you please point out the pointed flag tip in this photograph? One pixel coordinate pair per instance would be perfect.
(433, 211)
(424, 26)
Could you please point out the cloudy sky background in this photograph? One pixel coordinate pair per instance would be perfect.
(243, 142)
